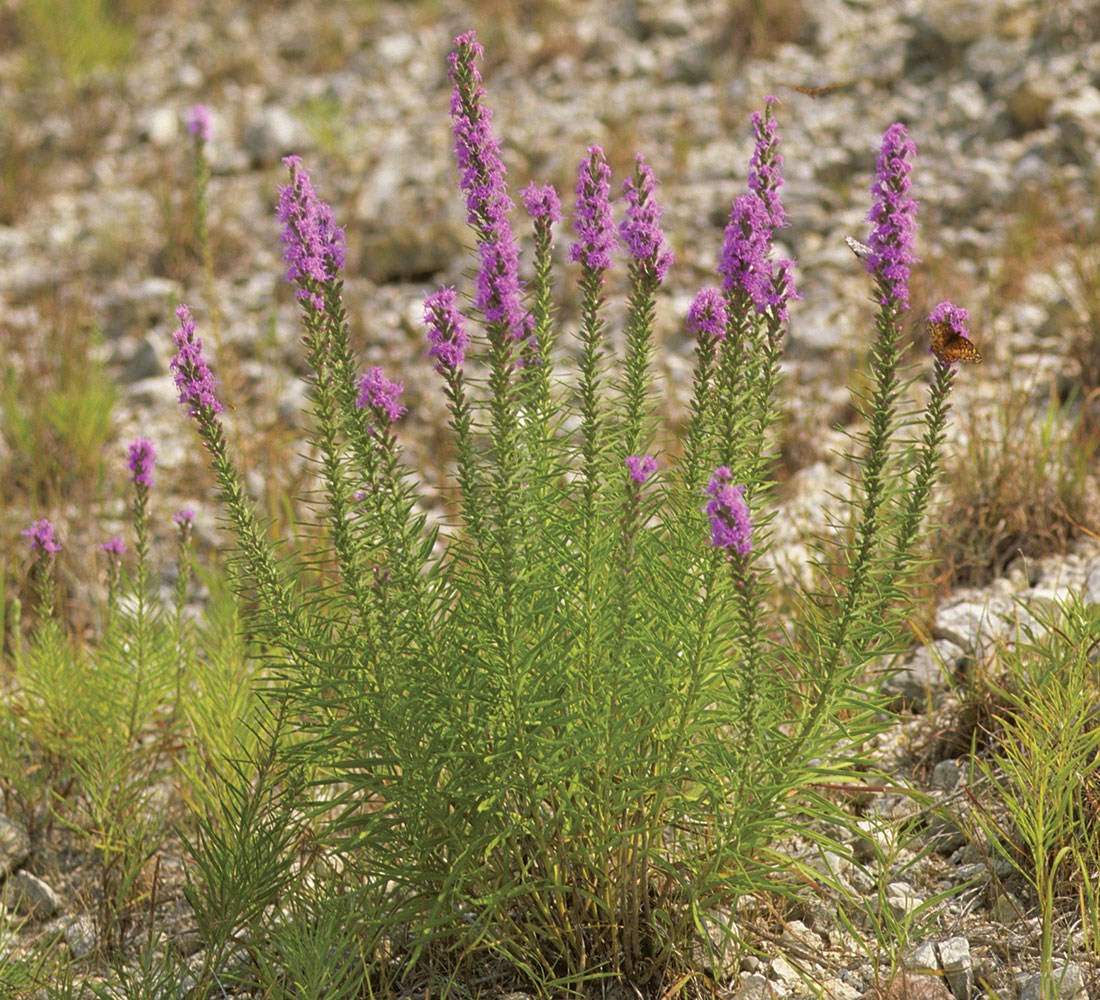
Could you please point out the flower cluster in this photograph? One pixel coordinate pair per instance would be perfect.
(592, 218)
(314, 247)
(956, 317)
(730, 520)
(893, 215)
(41, 537)
(706, 316)
(193, 379)
(766, 165)
(199, 122)
(477, 152)
(640, 467)
(542, 201)
(380, 395)
(115, 548)
(641, 231)
(140, 459)
(446, 330)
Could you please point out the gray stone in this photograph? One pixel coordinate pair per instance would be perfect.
(79, 934)
(1067, 980)
(275, 134)
(29, 895)
(15, 845)
(753, 987)
(957, 966)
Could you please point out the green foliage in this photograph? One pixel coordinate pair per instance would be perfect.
(1043, 777)
(567, 735)
(57, 414)
(1021, 486)
(74, 38)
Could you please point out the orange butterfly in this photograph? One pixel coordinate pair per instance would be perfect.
(813, 92)
(950, 346)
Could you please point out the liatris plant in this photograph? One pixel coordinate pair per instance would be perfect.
(568, 734)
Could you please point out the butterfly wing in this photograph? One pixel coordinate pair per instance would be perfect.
(951, 347)
(861, 250)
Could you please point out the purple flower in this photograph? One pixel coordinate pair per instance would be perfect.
(954, 316)
(477, 153)
(446, 330)
(184, 519)
(542, 201)
(730, 520)
(42, 537)
(706, 316)
(640, 467)
(641, 230)
(766, 165)
(115, 548)
(744, 263)
(894, 217)
(380, 394)
(140, 458)
(194, 381)
(592, 218)
(313, 245)
(199, 123)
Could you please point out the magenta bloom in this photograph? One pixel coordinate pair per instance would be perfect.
(116, 547)
(592, 218)
(954, 316)
(640, 467)
(446, 330)
(766, 165)
(542, 201)
(140, 458)
(380, 395)
(199, 122)
(893, 216)
(184, 519)
(41, 537)
(477, 152)
(313, 245)
(706, 316)
(744, 263)
(641, 231)
(730, 520)
(194, 381)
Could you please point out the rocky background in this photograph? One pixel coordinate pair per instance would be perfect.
(98, 243)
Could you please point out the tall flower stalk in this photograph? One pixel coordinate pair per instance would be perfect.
(141, 459)
(894, 216)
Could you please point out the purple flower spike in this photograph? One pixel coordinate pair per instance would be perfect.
(184, 519)
(954, 316)
(542, 201)
(115, 548)
(313, 245)
(641, 231)
(446, 330)
(380, 395)
(744, 263)
(477, 152)
(730, 520)
(640, 467)
(41, 536)
(766, 165)
(200, 122)
(592, 218)
(706, 316)
(194, 381)
(140, 458)
(893, 215)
